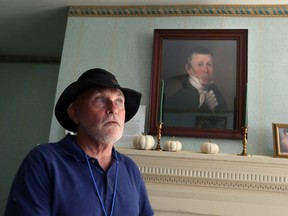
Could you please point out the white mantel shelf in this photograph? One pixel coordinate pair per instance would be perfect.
(191, 183)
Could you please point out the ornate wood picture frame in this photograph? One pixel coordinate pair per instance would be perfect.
(177, 107)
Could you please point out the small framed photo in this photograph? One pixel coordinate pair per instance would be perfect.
(280, 138)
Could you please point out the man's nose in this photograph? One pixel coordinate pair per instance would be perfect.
(112, 107)
(206, 68)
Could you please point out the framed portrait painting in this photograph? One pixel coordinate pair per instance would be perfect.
(199, 82)
(280, 138)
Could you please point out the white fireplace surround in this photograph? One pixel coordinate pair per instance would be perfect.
(190, 183)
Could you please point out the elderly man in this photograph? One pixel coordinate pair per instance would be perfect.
(84, 174)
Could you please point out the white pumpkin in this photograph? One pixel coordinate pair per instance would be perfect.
(209, 148)
(144, 142)
(172, 145)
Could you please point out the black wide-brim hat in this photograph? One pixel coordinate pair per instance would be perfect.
(93, 78)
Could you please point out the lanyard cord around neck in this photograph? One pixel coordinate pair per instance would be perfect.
(97, 191)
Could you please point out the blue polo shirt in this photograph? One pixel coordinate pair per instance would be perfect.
(54, 179)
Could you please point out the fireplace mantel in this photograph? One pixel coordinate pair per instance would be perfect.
(191, 183)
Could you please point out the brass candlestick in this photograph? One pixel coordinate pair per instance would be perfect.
(158, 147)
(244, 141)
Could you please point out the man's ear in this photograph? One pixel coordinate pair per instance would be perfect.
(72, 113)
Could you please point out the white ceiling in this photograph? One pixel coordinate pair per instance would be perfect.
(37, 27)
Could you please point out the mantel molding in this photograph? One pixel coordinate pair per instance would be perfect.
(227, 183)
(252, 173)
(180, 10)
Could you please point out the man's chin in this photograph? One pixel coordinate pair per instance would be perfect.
(114, 134)
(113, 139)
(205, 82)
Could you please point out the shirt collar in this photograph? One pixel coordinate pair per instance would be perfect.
(194, 81)
(72, 149)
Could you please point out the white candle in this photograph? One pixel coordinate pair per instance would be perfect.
(161, 102)
(246, 106)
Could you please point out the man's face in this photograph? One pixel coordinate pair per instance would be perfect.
(201, 66)
(100, 114)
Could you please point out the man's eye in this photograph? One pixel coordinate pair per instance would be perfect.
(99, 99)
(120, 101)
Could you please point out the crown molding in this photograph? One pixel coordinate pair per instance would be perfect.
(180, 10)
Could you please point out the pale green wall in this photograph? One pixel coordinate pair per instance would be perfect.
(124, 47)
(27, 94)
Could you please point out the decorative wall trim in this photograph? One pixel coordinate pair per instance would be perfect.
(180, 10)
(30, 59)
